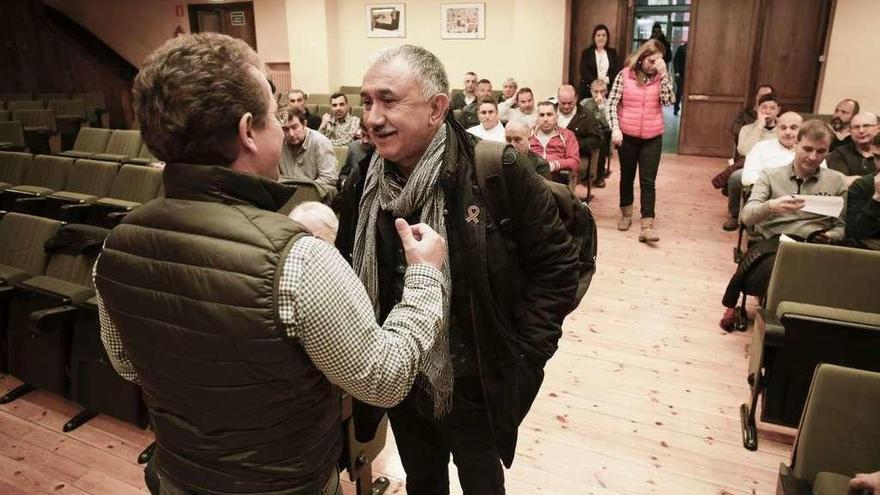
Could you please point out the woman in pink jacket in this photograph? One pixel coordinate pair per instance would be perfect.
(635, 108)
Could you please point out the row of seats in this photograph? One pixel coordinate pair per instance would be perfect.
(119, 145)
(49, 332)
(79, 190)
(94, 103)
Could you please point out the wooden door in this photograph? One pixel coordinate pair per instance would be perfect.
(718, 75)
(585, 14)
(789, 51)
(234, 19)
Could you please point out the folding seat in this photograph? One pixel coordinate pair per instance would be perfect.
(359, 450)
(88, 181)
(7, 97)
(94, 384)
(837, 435)
(817, 310)
(21, 256)
(12, 106)
(39, 126)
(350, 90)
(123, 145)
(319, 98)
(133, 186)
(13, 166)
(12, 136)
(322, 109)
(89, 141)
(41, 311)
(306, 190)
(354, 100)
(45, 175)
(341, 154)
(48, 97)
(143, 158)
(5, 115)
(95, 107)
(69, 116)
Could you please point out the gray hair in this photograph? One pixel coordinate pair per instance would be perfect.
(511, 80)
(425, 66)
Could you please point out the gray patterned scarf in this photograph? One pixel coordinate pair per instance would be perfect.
(420, 191)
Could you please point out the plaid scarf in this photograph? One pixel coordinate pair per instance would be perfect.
(383, 190)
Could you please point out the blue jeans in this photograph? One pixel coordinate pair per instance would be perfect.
(734, 191)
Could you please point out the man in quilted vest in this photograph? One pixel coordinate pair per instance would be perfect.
(237, 324)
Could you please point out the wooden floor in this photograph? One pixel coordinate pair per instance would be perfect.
(642, 396)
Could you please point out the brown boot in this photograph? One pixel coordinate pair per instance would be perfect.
(626, 217)
(647, 234)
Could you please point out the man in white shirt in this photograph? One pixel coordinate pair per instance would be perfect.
(507, 100)
(763, 155)
(489, 128)
(525, 108)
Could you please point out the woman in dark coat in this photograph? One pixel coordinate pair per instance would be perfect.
(598, 61)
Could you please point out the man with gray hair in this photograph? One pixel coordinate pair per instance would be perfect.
(476, 386)
(507, 99)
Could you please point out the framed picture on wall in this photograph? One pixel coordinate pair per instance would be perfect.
(386, 20)
(463, 21)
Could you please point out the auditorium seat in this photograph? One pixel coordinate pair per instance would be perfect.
(5, 115)
(319, 98)
(41, 311)
(143, 158)
(95, 107)
(817, 310)
(39, 126)
(13, 166)
(7, 97)
(837, 435)
(88, 181)
(48, 97)
(358, 112)
(45, 175)
(21, 256)
(322, 109)
(354, 100)
(12, 136)
(133, 186)
(89, 141)
(341, 154)
(350, 90)
(12, 106)
(69, 117)
(123, 145)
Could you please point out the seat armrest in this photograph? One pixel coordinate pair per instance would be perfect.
(74, 212)
(116, 217)
(787, 484)
(774, 332)
(30, 205)
(46, 320)
(827, 313)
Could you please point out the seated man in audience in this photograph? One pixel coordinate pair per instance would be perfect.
(306, 153)
(766, 154)
(855, 159)
(764, 126)
(863, 206)
(583, 124)
(507, 100)
(338, 124)
(843, 114)
(557, 145)
(517, 135)
(490, 127)
(360, 148)
(748, 114)
(297, 98)
(318, 219)
(596, 105)
(525, 108)
(469, 117)
(773, 210)
(468, 96)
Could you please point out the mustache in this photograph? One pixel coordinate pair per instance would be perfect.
(381, 129)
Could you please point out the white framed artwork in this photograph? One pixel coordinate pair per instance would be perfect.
(463, 21)
(386, 20)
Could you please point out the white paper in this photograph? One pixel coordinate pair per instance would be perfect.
(785, 238)
(830, 206)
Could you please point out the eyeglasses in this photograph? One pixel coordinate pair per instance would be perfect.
(863, 127)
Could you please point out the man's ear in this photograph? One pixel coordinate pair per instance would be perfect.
(439, 106)
(246, 132)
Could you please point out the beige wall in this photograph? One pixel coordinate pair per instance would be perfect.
(515, 44)
(852, 69)
(134, 28)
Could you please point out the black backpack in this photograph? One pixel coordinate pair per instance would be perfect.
(574, 213)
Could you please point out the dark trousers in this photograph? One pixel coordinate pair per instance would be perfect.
(425, 442)
(644, 155)
(679, 92)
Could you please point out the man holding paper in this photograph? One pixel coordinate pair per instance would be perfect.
(801, 200)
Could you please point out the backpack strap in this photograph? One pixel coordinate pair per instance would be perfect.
(488, 158)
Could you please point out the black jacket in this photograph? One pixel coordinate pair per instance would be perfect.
(522, 284)
(589, 72)
(583, 125)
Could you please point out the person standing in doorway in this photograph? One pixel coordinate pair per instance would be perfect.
(658, 34)
(636, 115)
(678, 65)
(598, 61)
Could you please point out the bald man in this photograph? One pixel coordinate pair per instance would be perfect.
(771, 153)
(583, 124)
(855, 159)
(517, 134)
